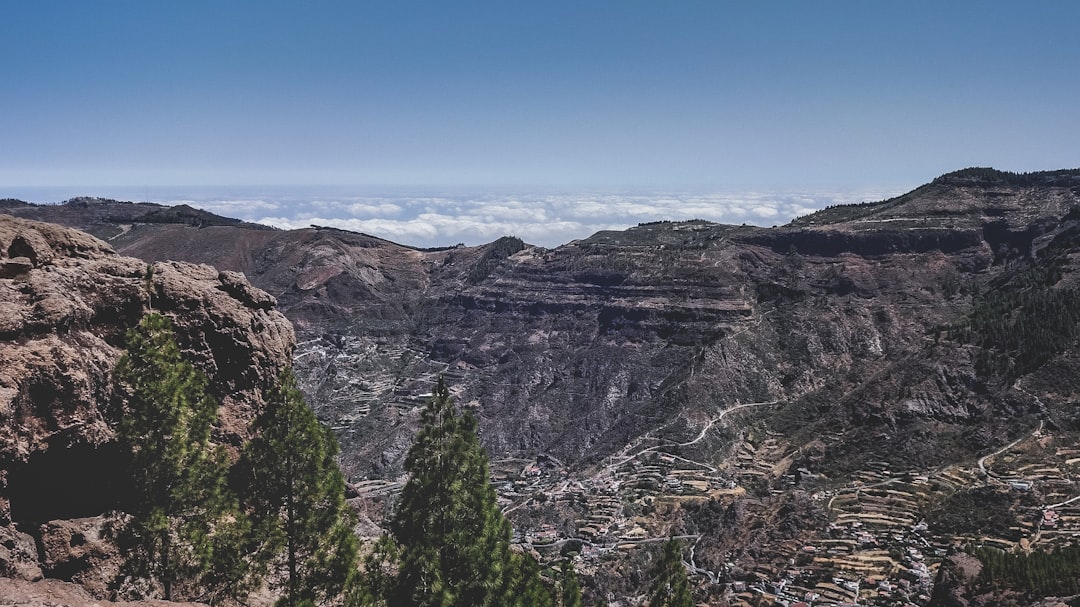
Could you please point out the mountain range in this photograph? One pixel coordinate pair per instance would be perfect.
(853, 398)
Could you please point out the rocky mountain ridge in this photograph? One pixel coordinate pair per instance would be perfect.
(373, 316)
(633, 382)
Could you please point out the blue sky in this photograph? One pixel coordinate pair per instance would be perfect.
(639, 97)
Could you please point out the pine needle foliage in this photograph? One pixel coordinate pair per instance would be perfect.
(1036, 574)
(526, 587)
(670, 586)
(571, 587)
(377, 581)
(302, 526)
(1022, 324)
(454, 541)
(184, 518)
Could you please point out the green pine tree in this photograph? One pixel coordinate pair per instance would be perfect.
(296, 498)
(375, 585)
(571, 588)
(670, 586)
(454, 541)
(184, 515)
(526, 587)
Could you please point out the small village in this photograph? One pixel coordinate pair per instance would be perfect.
(876, 549)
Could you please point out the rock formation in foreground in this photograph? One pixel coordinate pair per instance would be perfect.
(66, 302)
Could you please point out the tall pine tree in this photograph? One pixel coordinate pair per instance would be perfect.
(525, 586)
(296, 499)
(571, 588)
(454, 542)
(375, 585)
(183, 512)
(670, 586)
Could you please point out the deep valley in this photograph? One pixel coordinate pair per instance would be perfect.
(834, 411)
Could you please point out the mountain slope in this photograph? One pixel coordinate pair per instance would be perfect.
(738, 384)
(621, 331)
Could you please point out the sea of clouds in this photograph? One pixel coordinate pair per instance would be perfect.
(444, 218)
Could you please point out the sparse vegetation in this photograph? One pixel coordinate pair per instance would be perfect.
(981, 510)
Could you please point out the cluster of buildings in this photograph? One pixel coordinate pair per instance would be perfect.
(875, 550)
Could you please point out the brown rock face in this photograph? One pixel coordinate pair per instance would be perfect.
(578, 350)
(55, 593)
(63, 318)
(18, 555)
(82, 551)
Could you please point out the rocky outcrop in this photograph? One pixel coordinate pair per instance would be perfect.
(82, 550)
(18, 555)
(56, 593)
(66, 302)
(832, 243)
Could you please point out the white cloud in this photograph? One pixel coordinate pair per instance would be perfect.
(512, 211)
(442, 219)
(799, 211)
(384, 208)
(232, 207)
(432, 229)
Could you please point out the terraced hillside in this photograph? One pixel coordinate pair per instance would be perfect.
(797, 402)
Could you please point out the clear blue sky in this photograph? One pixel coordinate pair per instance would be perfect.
(599, 94)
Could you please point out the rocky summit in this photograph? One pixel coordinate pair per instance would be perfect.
(824, 411)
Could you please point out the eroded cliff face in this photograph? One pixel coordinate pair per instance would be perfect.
(578, 350)
(66, 302)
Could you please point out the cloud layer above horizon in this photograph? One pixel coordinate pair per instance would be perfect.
(547, 220)
(434, 219)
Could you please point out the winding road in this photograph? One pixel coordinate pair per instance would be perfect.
(615, 463)
(622, 457)
(982, 460)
